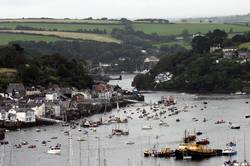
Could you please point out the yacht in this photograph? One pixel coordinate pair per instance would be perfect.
(54, 150)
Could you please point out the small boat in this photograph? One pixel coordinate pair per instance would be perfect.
(53, 137)
(32, 146)
(38, 130)
(4, 142)
(231, 144)
(80, 139)
(24, 143)
(130, 143)
(231, 163)
(85, 132)
(17, 146)
(198, 133)
(44, 142)
(66, 132)
(247, 116)
(220, 122)
(79, 129)
(229, 152)
(54, 150)
(234, 126)
(147, 127)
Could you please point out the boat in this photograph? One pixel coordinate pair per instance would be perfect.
(229, 151)
(24, 143)
(53, 137)
(38, 130)
(80, 139)
(220, 122)
(162, 152)
(231, 144)
(17, 146)
(54, 150)
(189, 137)
(247, 116)
(147, 127)
(195, 151)
(44, 142)
(203, 141)
(234, 126)
(85, 132)
(231, 163)
(130, 143)
(32, 146)
(162, 123)
(125, 132)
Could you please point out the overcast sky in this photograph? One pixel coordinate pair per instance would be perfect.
(122, 8)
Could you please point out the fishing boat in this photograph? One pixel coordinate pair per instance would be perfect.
(195, 151)
(54, 150)
(231, 163)
(203, 141)
(229, 151)
(189, 137)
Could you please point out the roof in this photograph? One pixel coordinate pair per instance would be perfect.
(15, 87)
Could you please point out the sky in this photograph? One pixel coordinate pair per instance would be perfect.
(122, 8)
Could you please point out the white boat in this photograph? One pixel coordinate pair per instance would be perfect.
(38, 130)
(80, 139)
(147, 127)
(54, 150)
(229, 151)
(234, 126)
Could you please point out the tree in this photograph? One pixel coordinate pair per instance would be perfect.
(201, 44)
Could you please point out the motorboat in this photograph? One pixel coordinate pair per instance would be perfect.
(38, 130)
(54, 150)
(234, 126)
(80, 139)
(147, 127)
(229, 151)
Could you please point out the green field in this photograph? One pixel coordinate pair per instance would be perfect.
(245, 45)
(176, 29)
(162, 29)
(62, 26)
(5, 38)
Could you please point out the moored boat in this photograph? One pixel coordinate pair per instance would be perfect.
(229, 151)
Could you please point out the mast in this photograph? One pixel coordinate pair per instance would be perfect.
(80, 154)
(99, 152)
(88, 148)
(244, 146)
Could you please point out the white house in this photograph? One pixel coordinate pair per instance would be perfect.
(51, 96)
(26, 115)
(11, 115)
(39, 110)
(3, 115)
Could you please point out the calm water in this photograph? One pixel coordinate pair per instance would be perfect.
(117, 153)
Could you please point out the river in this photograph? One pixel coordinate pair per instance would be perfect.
(116, 152)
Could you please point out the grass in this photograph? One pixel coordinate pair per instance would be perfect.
(67, 35)
(7, 70)
(162, 29)
(5, 38)
(176, 29)
(61, 26)
(182, 43)
(245, 45)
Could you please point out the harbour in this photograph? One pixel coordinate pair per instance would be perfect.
(97, 148)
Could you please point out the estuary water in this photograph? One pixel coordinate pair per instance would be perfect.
(115, 152)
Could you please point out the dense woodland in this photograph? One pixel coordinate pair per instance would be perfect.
(198, 70)
(35, 69)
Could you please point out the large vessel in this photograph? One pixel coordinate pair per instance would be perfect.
(195, 151)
